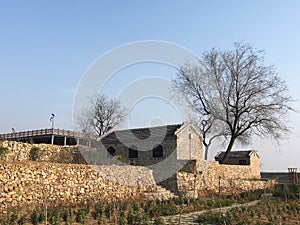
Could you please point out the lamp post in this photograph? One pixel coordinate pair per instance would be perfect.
(52, 120)
(52, 127)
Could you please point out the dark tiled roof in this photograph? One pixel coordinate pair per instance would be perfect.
(233, 154)
(142, 133)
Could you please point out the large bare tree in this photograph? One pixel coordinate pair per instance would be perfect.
(101, 115)
(237, 92)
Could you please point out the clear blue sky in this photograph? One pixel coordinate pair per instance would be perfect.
(46, 46)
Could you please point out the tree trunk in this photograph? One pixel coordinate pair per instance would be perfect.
(206, 152)
(229, 147)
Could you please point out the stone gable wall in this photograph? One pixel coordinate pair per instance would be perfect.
(255, 164)
(189, 144)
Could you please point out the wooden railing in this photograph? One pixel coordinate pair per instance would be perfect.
(40, 132)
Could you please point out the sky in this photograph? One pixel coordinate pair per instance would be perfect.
(47, 47)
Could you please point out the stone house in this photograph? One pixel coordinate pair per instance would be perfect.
(147, 146)
(174, 155)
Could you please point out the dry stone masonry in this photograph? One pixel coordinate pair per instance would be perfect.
(53, 178)
(19, 151)
(29, 183)
(215, 179)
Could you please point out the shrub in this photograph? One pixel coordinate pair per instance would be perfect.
(251, 195)
(54, 215)
(34, 218)
(108, 211)
(135, 207)
(130, 217)
(67, 216)
(102, 221)
(81, 216)
(22, 220)
(12, 219)
(159, 221)
(123, 219)
(213, 218)
(41, 217)
(287, 190)
(3, 151)
(97, 213)
(166, 210)
(124, 206)
(34, 153)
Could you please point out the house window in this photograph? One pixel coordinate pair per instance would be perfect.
(158, 152)
(133, 152)
(111, 151)
(242, 162)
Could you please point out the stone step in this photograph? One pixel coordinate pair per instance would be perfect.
(159, 193)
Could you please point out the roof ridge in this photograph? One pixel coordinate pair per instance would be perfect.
(143, 128)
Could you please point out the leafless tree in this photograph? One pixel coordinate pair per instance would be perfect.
(236, 91)
(210, 129)
(101, 115)
(84, 121)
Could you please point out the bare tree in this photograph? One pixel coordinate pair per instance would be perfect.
(101, 115)
(84, 121)
(210, 129)
(236, 91)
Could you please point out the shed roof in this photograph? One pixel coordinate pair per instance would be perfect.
(234, 154)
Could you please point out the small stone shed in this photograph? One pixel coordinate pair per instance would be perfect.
(243, 158)
(238, 157)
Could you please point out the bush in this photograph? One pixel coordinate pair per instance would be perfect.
(251, 195)
(3, 151)
(22, 220)
(54, 215)
(135, 207)
(108, 211)
(159, 221)
(11, 220)
(123, 219)
(213, 218)
(81, 216)
(34, 153)
(165, 210)
(34, 218)
(97, 213)
(287, 190)
(130, 217)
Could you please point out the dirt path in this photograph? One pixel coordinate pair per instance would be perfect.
(190, 218)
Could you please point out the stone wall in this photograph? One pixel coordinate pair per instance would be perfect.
(28, 183)
(19, 151)
(215, 179)
(25, 182)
